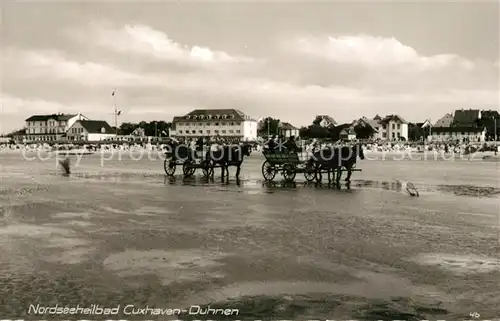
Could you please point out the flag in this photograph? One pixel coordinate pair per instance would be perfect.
(118, 113)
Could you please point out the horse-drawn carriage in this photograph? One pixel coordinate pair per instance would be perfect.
(288, 163)
(330, 161)
(207, 160)
(189, 159)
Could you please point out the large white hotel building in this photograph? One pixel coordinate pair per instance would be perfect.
(227, 123)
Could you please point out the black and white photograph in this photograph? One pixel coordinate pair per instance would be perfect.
(249, 160)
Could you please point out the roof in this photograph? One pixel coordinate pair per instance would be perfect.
(388, 118)
(96, 126)
(327, 118)
(212, 114)
(461, 129)
(287, 126)
(58, 117)
(466, 117)
(427, 123)
(445, 121)
(373, 123)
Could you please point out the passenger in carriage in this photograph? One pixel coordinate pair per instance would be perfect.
(291, 145)
(271, 144)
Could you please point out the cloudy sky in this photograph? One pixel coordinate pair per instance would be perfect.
(284, 59)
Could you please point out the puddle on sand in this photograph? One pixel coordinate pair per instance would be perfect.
(470, 190)
(169, 266)
(459, 264)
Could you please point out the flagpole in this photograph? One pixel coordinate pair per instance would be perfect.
(116, 113)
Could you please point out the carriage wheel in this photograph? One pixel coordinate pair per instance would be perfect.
(208, 170)
(188, 169)
(289, 172)
(169, 166)
(268, 171)
(309, 173)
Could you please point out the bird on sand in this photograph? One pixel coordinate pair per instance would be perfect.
(411, 189)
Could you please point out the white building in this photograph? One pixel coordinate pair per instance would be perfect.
(90, 131)
(392, 128)
(458, 134)
(225, 123)
(50, 127)
(288, 130)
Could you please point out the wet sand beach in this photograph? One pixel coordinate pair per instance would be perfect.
(121, 233)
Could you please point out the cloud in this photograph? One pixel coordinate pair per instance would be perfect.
(146, 41)
(370, 51)
(53, 65)
(12, 105)
(51, 75)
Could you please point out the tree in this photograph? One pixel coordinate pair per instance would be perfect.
(127, 128)
(269, 125)
(363, 131)
(317, 121)
(415, 132)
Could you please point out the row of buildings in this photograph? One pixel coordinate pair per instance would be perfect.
(234, 124)
(71, 127)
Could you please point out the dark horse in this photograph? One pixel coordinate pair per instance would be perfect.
(232, 155)
(334, 158)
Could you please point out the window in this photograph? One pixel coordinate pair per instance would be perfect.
(202, 117)
(208, 131)
(223, 131)
(399, 135)
(209, 116)
(193, 131)
(181, 124)
(384, 135)
(216, 131)
(238, 123)
(238, 131)
(393, 135)
(180, 131)
(223, 124)
(209, 124)
(200, 131)
(216, 124)
(224, 116)
(194, 117)
(384, 127)
(399, 126)
(188, 117)
(393, 126)
(232, 124)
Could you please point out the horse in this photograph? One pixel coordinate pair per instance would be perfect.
(334, 158)
(228, 156)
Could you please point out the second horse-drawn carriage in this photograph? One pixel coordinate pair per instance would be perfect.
(331, 161)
